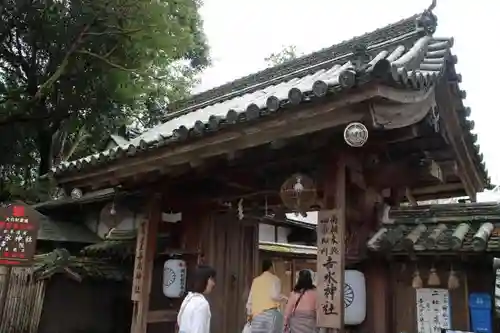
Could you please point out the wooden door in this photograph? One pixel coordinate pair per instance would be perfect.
(230, 246)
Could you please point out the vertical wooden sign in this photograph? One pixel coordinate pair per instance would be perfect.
(143, 269)
(140, 259)
(330, 270)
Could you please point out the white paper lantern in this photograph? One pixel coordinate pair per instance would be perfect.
(174, 278)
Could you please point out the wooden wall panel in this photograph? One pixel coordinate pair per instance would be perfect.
(24, 300)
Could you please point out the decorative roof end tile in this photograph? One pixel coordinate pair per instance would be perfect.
(427, 21)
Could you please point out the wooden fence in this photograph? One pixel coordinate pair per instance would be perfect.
(22, 300)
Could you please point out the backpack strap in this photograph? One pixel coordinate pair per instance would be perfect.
(298, 300)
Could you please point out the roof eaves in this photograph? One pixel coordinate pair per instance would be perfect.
(468, 126)
(97, 196)
(389, 68)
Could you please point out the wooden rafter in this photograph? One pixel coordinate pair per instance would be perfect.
(466, 170)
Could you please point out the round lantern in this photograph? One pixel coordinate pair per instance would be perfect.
(174, 278)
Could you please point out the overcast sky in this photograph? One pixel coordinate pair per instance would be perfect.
(241, 33)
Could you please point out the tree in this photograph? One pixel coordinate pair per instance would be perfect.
(288, 53)
(72, 71)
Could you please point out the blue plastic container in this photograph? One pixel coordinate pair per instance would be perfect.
(480, 312)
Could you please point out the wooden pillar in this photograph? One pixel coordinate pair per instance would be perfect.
(379, 299)
(143, 265)
(331, 250)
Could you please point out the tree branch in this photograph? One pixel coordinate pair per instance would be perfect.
(108, 62)
(104, 59)
(22, 118)
(80, 137)
(120, 32)
(64, 63)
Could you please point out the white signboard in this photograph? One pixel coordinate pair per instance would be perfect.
(433, 310)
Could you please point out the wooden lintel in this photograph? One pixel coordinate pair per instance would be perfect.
(287, 125)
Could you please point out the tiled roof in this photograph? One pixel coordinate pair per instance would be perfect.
(472, 227)
(59, 231)
(403, 55)
(77, 268)
(121, 247)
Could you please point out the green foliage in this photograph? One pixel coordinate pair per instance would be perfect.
(288, 53)
(74, 71)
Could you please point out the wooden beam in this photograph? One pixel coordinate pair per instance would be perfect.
(143, 265)
(224, 143)
(451, 187)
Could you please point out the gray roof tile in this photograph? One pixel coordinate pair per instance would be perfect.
(392, 237)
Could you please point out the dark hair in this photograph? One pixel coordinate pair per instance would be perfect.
(201, 276)
(304, 282)
(266, 265)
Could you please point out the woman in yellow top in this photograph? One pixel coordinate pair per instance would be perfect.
(264, 301)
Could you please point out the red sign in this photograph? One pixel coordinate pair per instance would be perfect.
(19, 226)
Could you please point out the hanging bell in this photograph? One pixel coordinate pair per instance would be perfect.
(417, 280)
(433, 280)
(453, 281)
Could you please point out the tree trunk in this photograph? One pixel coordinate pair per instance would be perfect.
(44, 145)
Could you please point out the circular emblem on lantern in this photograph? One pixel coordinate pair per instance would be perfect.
(348, 295)
(356, 134)
(171, 277)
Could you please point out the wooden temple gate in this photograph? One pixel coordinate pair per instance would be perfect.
(221, 160)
